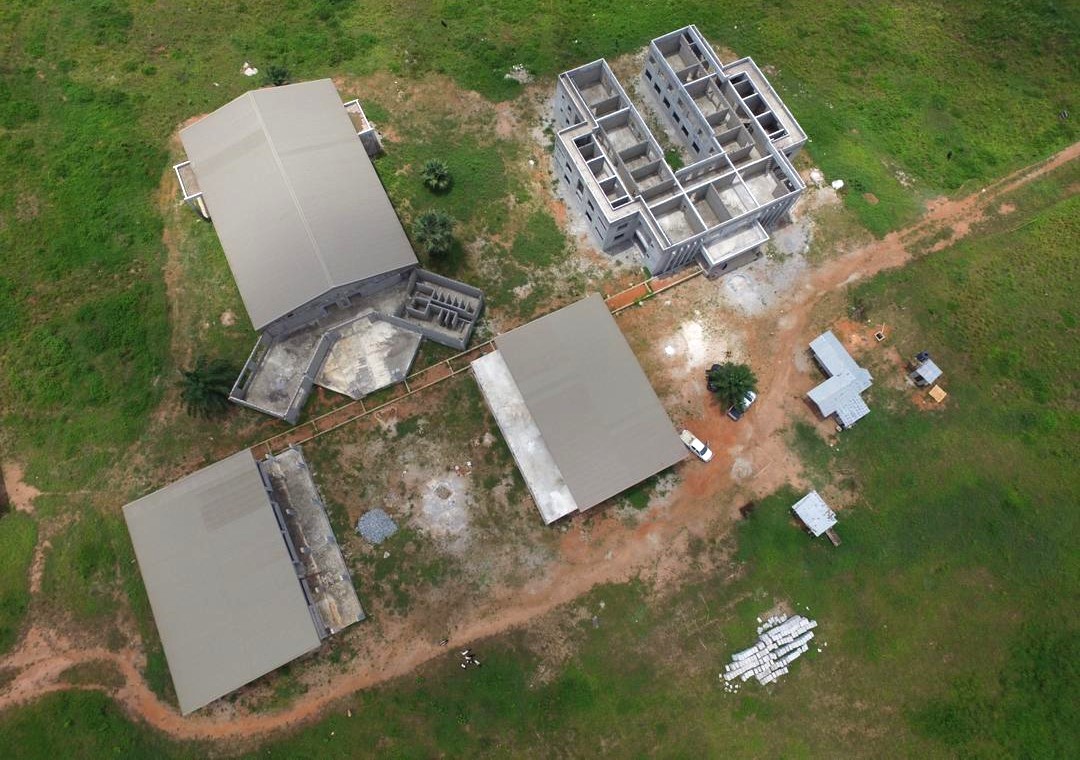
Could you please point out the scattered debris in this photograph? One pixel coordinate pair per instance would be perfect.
(817, 177)
(249, 70)
(376, 526)
(781, 640)
(838, 184)
(519, 74)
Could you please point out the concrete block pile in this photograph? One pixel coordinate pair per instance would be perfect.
(781, 640)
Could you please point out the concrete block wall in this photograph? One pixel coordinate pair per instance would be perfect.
(719, 127)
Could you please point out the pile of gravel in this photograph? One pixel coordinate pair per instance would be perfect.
(376, 526)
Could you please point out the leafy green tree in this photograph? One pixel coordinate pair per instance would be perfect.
(433, 231)
(436, 176)
(731, 382)
(205, 388)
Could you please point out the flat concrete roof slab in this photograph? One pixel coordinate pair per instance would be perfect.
(519, 430)
(598, 414)
(223, 589)
(369, 354)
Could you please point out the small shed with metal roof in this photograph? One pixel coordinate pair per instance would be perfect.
(814, 513)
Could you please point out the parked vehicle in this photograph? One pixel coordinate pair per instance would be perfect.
(736, 414)
(700, 448)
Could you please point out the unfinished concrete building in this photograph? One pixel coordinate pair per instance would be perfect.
(242, 571)
(739, 137)
(321, 261)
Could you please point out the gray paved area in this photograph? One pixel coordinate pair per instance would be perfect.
(281, 372)
(534, 460)
(369, 354)
(326, 574)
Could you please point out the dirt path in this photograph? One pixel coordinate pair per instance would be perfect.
(20, 495)
(596, 549)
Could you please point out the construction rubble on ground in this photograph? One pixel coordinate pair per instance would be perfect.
(781, 640)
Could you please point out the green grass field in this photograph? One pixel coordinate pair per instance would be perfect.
(18, 534)
(948, 609)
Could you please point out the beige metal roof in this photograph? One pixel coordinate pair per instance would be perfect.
(226, 599)
(597, 412)
(294, 197)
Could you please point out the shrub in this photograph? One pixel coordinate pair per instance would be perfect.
(277, 75)
(205, 388)
(433, 232)
(436, 176)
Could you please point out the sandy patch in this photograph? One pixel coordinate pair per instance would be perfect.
(20, 495)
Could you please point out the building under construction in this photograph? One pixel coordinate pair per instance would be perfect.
(735, 133)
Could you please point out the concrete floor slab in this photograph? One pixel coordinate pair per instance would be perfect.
(369, 354)
(333, 594)
(765, 187)
(676, 224)
(519, 430)
(281, 372)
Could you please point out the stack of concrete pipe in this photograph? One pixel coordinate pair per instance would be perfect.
(781, 640)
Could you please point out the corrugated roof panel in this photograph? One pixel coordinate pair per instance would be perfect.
(295, 200)
(225, 597)
(597, 412)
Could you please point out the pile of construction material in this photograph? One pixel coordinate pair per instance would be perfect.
(781, 640)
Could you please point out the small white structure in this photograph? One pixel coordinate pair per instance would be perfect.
(814, 513)
(781, 640)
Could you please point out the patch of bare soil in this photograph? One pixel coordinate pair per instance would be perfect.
(20, 494)
(600, 546)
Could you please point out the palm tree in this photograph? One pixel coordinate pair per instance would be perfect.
(436, 176)
(731, 382)
(433, 232)
(205, 388)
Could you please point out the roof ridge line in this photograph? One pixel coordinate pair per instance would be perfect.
(288, 184)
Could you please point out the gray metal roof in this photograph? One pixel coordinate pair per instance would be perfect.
(226, 599)
(833, 357)
(814, 513)
(928, 371)
(294, 197)
(597, 412)
(839, 394)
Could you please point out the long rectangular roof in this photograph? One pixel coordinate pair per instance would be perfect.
(295, 200)
(597, 412)
(226, 599)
